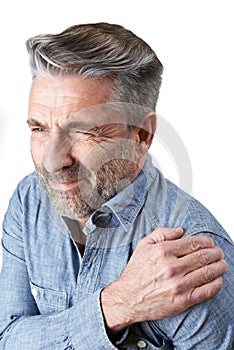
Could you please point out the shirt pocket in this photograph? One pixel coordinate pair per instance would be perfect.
(49, 300)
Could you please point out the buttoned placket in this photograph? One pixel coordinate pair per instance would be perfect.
(91, 262)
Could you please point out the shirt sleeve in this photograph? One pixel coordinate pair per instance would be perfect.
(21, 325)
(210, 324)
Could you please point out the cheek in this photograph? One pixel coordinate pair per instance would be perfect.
(94, 154)
(82, 152)
(90, 153)
(37, 151)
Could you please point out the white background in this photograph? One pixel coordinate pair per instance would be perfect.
(194, 41)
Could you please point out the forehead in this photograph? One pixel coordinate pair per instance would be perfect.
(54, 100)
(57, 100)
(55, 91)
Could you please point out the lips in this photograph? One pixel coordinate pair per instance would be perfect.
(63, 185)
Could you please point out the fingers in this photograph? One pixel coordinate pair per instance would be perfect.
(188, 245)
(206, 291)
(161, 234)
(207, 273)
(204, 282)
(175, 246)
(201, 284)
(199, 259)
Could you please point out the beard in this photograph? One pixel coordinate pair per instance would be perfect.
(94, 187)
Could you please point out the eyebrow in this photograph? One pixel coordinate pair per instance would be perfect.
(80, 125)
(34, 122)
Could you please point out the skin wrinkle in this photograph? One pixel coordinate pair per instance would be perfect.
(102, 163)
(124, 282)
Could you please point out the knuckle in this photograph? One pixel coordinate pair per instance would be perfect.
(162, 250)
(198, 242)
(195, 243)
(208, 274)
(169, 272)
(203, 257)
(176, 290)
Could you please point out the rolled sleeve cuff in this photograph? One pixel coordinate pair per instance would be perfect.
(86, 325)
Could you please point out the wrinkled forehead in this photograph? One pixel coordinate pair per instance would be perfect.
(102, 114)
(72, 86)
(93, 116)
(71, 100)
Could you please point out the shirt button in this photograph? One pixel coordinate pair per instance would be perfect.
(34, 292)
(141, 344)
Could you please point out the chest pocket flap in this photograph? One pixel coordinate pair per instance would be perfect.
(48, 300)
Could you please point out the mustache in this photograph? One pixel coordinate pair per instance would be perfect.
(72, 173)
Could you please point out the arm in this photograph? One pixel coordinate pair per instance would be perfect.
(22, 327)
(163, 278)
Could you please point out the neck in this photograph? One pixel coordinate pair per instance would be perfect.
(76, 229)
(82, 222)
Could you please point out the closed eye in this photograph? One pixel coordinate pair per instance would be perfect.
(79, 132)
(37, 129)
(35, 125)
(81, 135)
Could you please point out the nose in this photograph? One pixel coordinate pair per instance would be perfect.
(57, 153)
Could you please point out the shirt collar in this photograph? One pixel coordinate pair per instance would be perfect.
(127, 204)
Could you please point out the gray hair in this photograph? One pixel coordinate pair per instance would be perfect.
(101, 50)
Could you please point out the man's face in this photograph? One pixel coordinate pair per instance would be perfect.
(81, 149)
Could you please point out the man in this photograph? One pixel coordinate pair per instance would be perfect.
(94, 256)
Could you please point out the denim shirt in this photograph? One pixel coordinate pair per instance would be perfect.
(50, 296)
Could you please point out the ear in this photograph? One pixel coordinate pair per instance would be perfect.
(146, 130)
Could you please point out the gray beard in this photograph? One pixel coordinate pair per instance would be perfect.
(83, 200)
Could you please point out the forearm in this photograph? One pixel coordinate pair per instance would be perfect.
(79, 327)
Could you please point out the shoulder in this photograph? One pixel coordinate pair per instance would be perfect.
(25, 193)
(29, 182)
(28, 187)
(201, 323)
(172, 207)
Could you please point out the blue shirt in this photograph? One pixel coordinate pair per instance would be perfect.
(50, 296)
